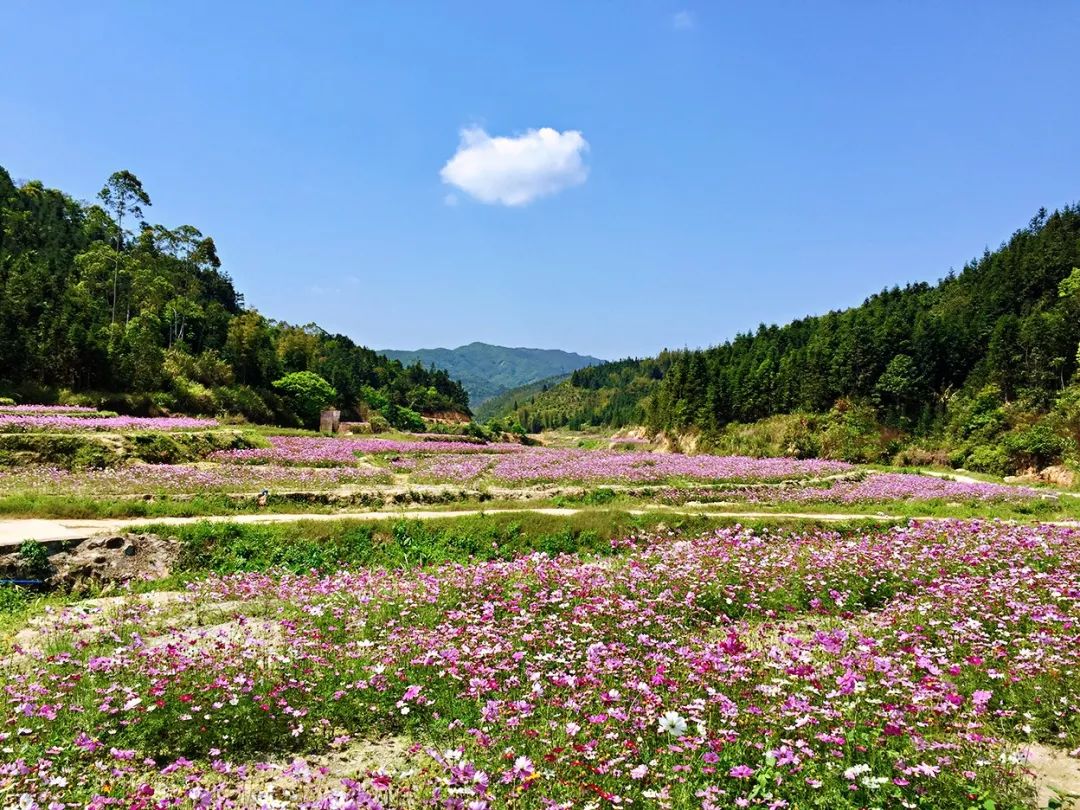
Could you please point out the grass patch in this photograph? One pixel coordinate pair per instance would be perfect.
(30, 505)
(73, 451)
(225, 547)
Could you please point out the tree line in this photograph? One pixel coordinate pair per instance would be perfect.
(97, 302)
(1004, 330)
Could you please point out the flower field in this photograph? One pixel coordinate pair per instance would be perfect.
(804, 668)
(873, 488)
(25, 422)
(324, 451)
(183, 479)
(320, 463)
(45, 410)
(516, 463)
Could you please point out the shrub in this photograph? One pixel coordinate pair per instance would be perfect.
(988, 459)
(404, 418)
(33, 558)
(307, 394)
(207, 368)
(1034, 446)
(378, 423)
(922, 457)
(246, 401)
(853, 434)
(193, 397)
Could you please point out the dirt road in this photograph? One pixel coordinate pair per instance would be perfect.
(15, 531)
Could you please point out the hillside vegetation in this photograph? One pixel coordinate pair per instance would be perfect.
(487, 371)
(979, 368)
(99, 306)
(510, 400)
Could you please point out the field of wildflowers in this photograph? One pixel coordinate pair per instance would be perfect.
(516, 463)
(801, 668)
(297, 463)
(45, 410)
(76, 421)
(156, 479)
(872, 488)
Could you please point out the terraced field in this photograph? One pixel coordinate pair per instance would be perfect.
(563, 628)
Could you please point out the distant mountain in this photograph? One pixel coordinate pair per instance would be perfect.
(487, 371)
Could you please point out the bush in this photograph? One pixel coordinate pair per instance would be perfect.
(6, 401)
(193, 397)
(922, 457)
(853, 434)
(404, 418)
(307, 394)
(1035, 446)
(33, 559)
(992, 460)
(246, 401)
(207, 368)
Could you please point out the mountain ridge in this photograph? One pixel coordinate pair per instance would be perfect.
(487, 370)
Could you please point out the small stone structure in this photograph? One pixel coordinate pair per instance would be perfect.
(329, 421)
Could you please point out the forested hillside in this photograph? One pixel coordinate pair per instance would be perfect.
(98, 304)
(487, 371)
(995, 345)
(510, 399)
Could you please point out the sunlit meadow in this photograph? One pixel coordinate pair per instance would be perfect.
(901, 668)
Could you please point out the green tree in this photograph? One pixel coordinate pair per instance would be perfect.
(122, 194)
(249, 347)
(307, 394)
(900, 386)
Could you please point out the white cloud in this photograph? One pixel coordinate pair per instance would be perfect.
(683, 21)
(516, 171)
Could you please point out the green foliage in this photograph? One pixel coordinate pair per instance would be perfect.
(324, 546)
(1070, 285)
(964, 362)
(991, 459)
(307, 394)
(853, 434)
(246, 401)
(403, 418)
(98, 451)
(13, 600)
(33, 558)
(1034, 446)
(149, 318)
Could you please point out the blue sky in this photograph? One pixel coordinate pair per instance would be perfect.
(711, 166)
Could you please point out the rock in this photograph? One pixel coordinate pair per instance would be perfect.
(1055, 772)
(1026, 478)
(115, 558)
(1059, 476)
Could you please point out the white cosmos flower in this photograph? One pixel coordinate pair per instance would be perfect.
(856, 771)
(673, 723)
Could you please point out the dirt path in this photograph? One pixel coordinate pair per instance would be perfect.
(15, 531)
(967, 479)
